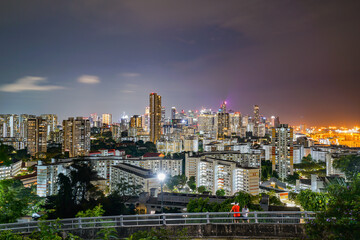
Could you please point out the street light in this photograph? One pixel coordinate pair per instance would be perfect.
(161, 177)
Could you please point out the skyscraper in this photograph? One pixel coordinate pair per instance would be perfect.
(155, 117)
(256, 115)
(146, 120)
(282, 150)
(135, 125)
(136, 121)
(36, 135)
(52, 122)
(76, 136)
(107, 119)
(235, 123)
(223, 122)
(275, 121)
(94, 120)
(173, 113)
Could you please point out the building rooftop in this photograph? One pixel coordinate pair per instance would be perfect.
(146, 155)
(141, 172)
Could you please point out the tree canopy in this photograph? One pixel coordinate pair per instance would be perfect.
(340, 217)
(350, 165)
(16, 200)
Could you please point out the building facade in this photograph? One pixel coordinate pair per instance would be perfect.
(36, 136)
(282, 150)
(76, 138)
(155, 117)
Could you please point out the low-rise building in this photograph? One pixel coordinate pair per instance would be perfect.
(11, 170)
(330, 169)
(133, 175)
(316, 183)
(169, 146)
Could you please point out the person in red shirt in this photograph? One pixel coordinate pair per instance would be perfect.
(236, 210)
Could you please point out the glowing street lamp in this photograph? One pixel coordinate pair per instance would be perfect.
(161, 177)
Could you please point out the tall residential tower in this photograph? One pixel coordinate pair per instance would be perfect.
(155, 117)
(76, 137)
(282, 150)
(36, 135)
(223, 122)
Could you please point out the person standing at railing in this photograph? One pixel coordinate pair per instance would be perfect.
(236, 210)
(245, 213)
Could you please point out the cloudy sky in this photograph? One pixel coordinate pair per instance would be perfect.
(295, 59)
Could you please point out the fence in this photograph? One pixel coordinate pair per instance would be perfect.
(164, 219)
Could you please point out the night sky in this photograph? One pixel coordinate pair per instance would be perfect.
(299, 60)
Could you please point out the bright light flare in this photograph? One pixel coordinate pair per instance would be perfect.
(161, 176)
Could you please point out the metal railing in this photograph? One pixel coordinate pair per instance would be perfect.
(165, 219)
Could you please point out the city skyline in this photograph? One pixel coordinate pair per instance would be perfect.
(296, 60)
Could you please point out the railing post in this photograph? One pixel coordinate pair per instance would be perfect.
(164, 219)
(121, 220)
(80, 225)
(256, 217)
(207, 218)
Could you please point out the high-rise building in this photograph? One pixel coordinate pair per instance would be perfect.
(275, 121)
(162, 114)
(155, 117)
(215, 174)
(135, 125)
(207, 123)
(10, 126)
(282, 150)
(223, 122)
(107, 119)
(52, 122)
(136, 121)
(76, 136)
(94, 120)
(36, 136)
(146, 120)
(235, 123)
(173, 113)
(256, 115)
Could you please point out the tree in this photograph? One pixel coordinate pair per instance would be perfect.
(114, 204)
(81, 177)
(126, 190)
(292, 178)
(312, 201)
(198, 205)
(76, 193)
(4, 155)
(16, 200)
(340, 219)
(350, 165)
(107, 233)
(97, 211)
(201, 189)
(192, 183)
(176, 182)
(243, 198)
(220, 192)
(266, 170)
(9, 235)
(151, 147)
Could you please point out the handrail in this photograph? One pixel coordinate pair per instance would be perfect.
(281, 217)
